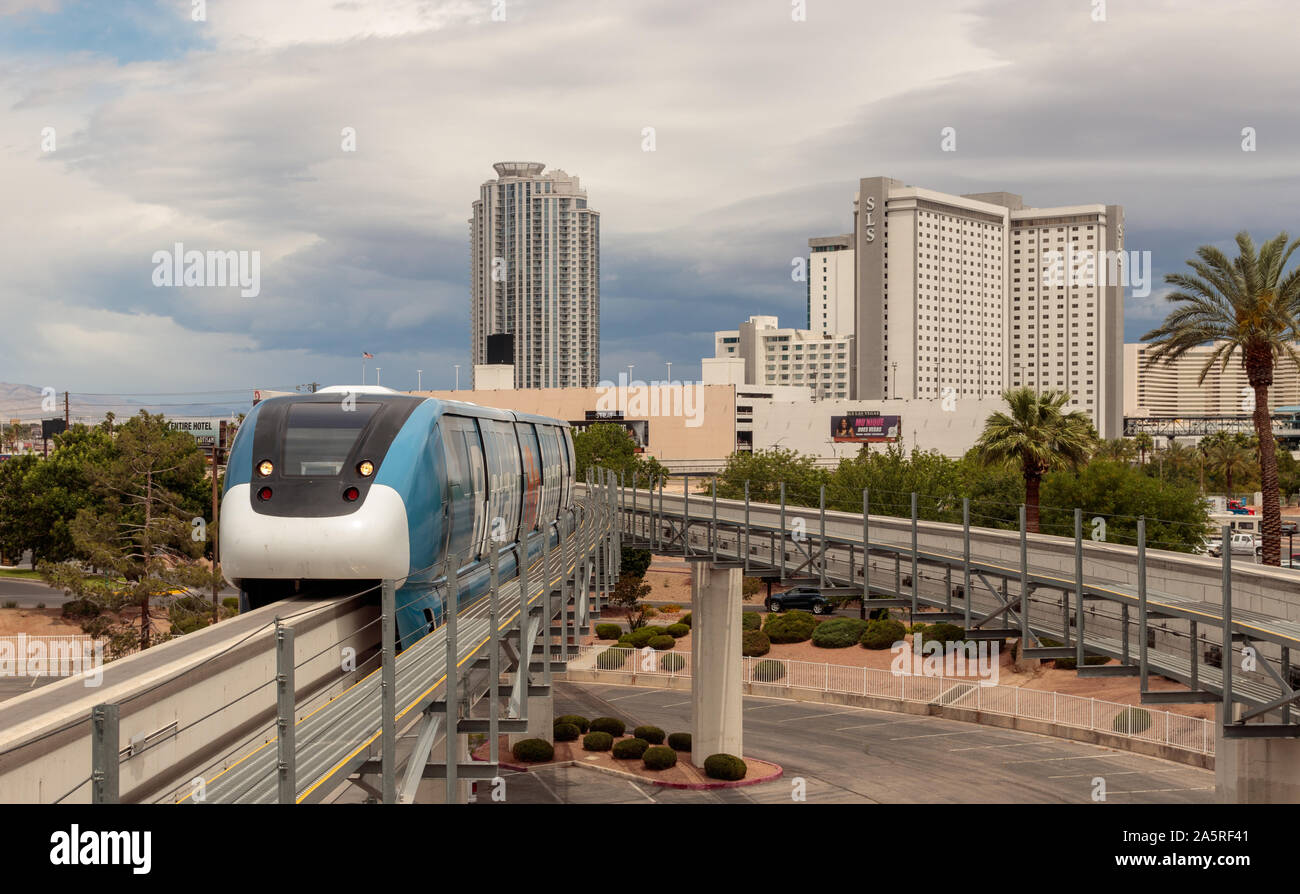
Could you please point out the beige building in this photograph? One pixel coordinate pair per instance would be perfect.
(535, 272)
(1172, 389)
(952, 298)
(830, 285)
(820, 362)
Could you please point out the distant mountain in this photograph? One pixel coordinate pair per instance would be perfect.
(25, 402)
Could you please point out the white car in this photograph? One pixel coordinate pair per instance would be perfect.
(1240, 544)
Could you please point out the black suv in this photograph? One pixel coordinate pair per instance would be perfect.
(809, 598)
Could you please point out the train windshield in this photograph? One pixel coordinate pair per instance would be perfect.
(320, 436)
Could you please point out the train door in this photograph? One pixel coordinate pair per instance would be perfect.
(478, 478)
(465, 513)
(531, 458)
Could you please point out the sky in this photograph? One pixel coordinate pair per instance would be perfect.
(132, 126)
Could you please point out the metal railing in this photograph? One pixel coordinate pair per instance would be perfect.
(1181, 731)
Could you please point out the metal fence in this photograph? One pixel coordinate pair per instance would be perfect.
(1175, 730)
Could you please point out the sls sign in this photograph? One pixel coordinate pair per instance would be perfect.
(869, 219)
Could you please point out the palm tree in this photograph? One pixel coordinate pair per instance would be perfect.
(1144, 443)
(1229, 458)
(1246, 307)
(1037, 435)
(1181, 458)
(1121, 450)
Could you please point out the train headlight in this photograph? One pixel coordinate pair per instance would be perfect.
(365, 468)
(265, 468)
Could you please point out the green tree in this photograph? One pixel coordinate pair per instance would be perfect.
(1176, 518)
(1037, 435)
(1248, 308)
(628, 595)
(1229, 459)
(765, 470)
(1117, 449)
(140, 533)
(1144, 442)
(607, 445)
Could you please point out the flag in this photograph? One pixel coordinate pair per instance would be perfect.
(365, 356)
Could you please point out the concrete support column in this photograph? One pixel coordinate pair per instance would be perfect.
(434, 791)
(541, 719)
(716, 714)
(1255, 771)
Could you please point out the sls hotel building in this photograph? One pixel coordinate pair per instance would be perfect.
(949, 297)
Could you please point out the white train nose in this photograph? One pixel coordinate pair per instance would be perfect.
(369, 544)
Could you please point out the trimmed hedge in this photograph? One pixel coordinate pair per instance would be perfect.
(609, 631)
(533, 751)
(662, 643)
(769, 670)
(882, 634)
(751, 621)
(656, 630)
(685, 619)
(611, 725)
(1132, 720)
(790, 627)
(582, 723)
(679, 741)
(677, 631)
(754, 643)
(565, 732)
(659, 757)
(597, 741)
(652, 734)
(671, 662)
(839, 633)
(639, 637)
(630, 749)
(612, 659)
(724, 766)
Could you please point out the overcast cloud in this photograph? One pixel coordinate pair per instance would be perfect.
(226, 134)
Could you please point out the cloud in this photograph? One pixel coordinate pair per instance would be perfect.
(762, 127)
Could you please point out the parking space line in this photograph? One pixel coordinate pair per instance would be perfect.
(811, 716)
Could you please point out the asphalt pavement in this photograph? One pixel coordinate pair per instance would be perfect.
(859, 756)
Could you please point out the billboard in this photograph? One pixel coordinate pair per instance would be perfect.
(865, 428)
(204, 429)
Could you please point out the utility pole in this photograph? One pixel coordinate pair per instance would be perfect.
(67, 421)
(217, 447)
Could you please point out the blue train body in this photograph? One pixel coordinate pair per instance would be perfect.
(327, 491)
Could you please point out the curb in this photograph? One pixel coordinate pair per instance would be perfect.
(689, 786)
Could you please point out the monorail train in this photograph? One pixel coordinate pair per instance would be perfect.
(329, 492)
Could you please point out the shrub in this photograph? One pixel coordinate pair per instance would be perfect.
(677, 631)
(917, 628)
(679, 741)
(882, 634)
(597, 741)
(650, 611)
(659, 757)
(612, 659)
(582, 723)
(839, 633)
(652, 734)
(1132, 720)
(231, 603)
(685, 619)
(751, 621)
(671, 662)
(532, 751)
(656, 630)
(40, 605)
(750, 586)
(639, 637)
(609, 631)
(671, 608)
(754, 643)
(944, 633)
(565, 732)
(769, 670)
(11, 604)
(630, 749)
(724, 766)
(81, 608)
(611, 725)
(661, 643)
(791, 627)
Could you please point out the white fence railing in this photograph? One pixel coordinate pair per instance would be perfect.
(1175, 730)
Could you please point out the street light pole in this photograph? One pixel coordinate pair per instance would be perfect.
(670, 372)
(457, 365)
(419, 380)
(377, 371)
